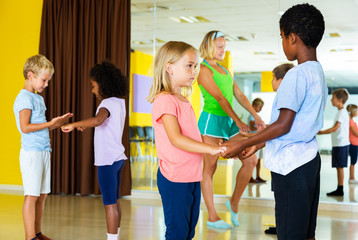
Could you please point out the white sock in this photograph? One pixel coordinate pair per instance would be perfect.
(119, 229)
(112, 236)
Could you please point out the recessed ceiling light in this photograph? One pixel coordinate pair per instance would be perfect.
(264, 53)
(235, 38)
(159, 40)
(230, 38)
(159, 7)
(334, 35)
(147, 42)
(342, 50)
(189, 19)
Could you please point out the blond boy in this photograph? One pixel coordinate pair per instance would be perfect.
(29, 109)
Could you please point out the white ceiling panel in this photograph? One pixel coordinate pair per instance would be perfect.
(257, 21)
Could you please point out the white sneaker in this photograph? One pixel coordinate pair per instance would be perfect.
(353, 181)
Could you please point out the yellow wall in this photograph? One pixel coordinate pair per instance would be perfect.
(142, 64)
(195, 99)
(20, 23)
(266, 78)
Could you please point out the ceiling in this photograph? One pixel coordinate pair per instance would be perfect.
(258, 22)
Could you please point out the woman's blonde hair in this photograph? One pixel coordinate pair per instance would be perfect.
(207, 47)
(169, 53)
(351, 108)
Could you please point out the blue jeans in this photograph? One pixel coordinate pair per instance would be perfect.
(181, 205)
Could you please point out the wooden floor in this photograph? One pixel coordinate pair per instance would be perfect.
(76, 217)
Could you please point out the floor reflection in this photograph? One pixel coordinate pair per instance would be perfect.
(76, 217)
(144, 170)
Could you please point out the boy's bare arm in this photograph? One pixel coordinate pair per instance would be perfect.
(330, 130)
(280, 127)
(28, 127)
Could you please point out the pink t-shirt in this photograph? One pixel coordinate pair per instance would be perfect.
(175, 164)
(352, 138)
(108, 147)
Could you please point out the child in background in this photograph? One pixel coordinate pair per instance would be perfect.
(257, 105)
(353, 139)
(178, 140)
(29, 109)
(278, 74)
(291, 152)
(109, 86)
(340, 138)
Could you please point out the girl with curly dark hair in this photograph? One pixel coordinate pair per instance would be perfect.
(108, 84)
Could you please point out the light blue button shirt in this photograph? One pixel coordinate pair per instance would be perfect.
(34, 141)
(304, 91)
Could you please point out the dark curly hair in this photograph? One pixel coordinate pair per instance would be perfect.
(306, 21)
(111, 82)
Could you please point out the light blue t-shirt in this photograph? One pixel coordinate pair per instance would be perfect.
(34, 141)
(304, 91)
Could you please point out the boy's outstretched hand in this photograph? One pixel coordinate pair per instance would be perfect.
(59, 121)
(233, 149)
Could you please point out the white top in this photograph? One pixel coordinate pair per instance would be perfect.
(304, 91)
(340, 137)
(108, 147)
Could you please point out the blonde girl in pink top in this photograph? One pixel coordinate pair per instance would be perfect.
(353, 139)
(178, 139)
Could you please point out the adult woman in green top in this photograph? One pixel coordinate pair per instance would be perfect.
(218, 122)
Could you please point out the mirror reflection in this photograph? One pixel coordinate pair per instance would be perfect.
(253, 50)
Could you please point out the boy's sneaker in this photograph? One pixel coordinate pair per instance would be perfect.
(336, 193)
(353, 181)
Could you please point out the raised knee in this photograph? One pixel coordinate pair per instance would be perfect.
(209, 169)
(251, 161)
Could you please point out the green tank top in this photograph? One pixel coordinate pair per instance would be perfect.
(226, 85)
